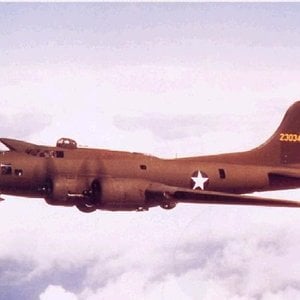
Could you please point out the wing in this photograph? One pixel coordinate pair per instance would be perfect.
(168, 195)
(288, 173)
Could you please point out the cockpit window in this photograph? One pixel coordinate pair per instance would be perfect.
(45, 153)
(33, 152)
(6, 169)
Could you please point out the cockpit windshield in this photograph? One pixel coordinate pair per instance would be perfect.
(45, 153)
(64, 143)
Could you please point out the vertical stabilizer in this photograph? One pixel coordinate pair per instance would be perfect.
(284, 145)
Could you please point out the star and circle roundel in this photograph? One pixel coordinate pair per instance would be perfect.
(199, 180)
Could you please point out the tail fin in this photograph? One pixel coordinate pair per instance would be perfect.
(284, 145)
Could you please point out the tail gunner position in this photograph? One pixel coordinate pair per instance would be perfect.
(91, 179)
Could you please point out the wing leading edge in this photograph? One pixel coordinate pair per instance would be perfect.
(164, 193)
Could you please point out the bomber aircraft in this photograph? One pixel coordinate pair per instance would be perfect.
(91, 179)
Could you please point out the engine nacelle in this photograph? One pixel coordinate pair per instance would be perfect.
(123, 194)
(112, 194)
(64, 191)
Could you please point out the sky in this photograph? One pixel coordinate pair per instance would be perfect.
(172, 80)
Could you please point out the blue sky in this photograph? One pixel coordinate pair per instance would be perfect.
(167, 79)
(138, 33)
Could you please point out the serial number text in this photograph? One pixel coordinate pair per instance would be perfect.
(289, 137)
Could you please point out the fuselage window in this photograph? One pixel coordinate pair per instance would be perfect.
(59, 154)
(6, 169)
(143, 167)
(18, 172)
(222, 173)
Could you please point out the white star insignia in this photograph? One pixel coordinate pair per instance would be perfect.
(199, 181)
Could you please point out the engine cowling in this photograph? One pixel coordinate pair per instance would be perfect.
(66, 191)
(123, 194)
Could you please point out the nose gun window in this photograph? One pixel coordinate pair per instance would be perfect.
(6, 169)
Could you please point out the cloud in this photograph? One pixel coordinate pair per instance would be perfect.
(57, 292)
(22, 125)
(162, 126)
(190, 252)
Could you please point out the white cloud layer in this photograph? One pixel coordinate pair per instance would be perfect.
(57, 293)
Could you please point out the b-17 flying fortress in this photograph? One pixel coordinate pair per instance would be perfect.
(91, 179)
